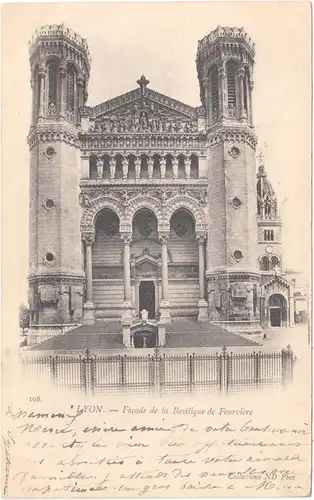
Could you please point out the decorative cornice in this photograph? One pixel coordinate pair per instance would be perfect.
(232, 276)
(233, 135)
(269, 222)
(118, 141)
(59, 31)
(55, 279)
(230, 33)
(53, 133)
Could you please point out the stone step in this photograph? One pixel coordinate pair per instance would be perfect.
(184, 333)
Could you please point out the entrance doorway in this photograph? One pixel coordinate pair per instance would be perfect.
(142, 339)
(277, 310)
(275, 317)
(147, 298)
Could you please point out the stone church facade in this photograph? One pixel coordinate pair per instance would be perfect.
(145, 203)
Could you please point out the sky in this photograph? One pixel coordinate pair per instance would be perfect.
(159, 40)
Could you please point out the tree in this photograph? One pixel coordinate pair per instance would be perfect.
(24, 317)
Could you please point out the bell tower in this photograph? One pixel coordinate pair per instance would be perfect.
(225, 62)
(60, 67)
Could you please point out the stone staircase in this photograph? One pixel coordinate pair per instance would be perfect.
(190, 333)
(108, 298)
(181, 333)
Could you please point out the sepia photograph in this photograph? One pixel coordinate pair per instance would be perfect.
(156, 243)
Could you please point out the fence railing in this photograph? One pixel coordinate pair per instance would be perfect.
(166, 374)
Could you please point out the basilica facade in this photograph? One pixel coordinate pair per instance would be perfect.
(146, 209)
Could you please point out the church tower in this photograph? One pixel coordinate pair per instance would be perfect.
(60, 67)
(225, 62)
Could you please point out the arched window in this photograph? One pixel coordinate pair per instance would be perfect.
(52, 73)
(264, 263)
(37, 92)
(274, 262)
(70, 90)
(246, 90)
(194, 167)
(232, 89)
(214, 93)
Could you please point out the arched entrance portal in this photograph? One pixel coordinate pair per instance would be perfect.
(147, 298)
(145, 257)
(277, 306)
(144, 336)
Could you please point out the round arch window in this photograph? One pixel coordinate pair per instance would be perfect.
(50, 152)
(236, 202)
(49, 258)
(49, 204)
(238, 255)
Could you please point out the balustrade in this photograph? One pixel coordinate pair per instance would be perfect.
(144, 166)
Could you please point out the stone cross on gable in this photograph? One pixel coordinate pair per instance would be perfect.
(142, 82)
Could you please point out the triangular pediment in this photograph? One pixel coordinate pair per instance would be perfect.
(150, 100)
(279, 280)
(145, 261)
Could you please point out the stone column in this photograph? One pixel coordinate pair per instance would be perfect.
(164, 304)
(222, 98)
(150, 165)
(34, 104)
(175, 167)
(125, 167)
(241, 74)
(62, 75)
(250, 304)
(187, 167)
(80, 87)
(162, 168)
(89, 308)
(291, 311)
(208, 109)
(112, 166)
(137, 167)
(202, 303)
(127, 307)
(250, 92)
(100, 168)
(42, 75)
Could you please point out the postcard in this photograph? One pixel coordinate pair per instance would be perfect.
(156, 242)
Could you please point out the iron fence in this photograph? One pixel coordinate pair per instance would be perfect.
(165, 374)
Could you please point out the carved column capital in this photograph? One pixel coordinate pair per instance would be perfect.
(241, 72)
(88, 238)
(126, 238)
(163, 238)
(80, 81)
(200, 237)
(221, 72)
(62, 71)
(42, 72)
